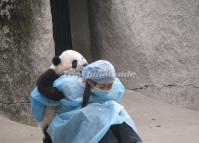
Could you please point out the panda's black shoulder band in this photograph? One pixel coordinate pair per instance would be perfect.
(56, 60)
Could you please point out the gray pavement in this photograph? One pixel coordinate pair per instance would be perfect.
(157, 122)
(12, 132)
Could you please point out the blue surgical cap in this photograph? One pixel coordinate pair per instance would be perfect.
(101, 71)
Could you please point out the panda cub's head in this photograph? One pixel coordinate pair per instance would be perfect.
(69, 60)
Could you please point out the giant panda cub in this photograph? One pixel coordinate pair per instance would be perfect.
(68, 61)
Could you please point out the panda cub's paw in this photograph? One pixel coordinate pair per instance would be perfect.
(56, 94)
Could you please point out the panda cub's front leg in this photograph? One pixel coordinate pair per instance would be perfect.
(45, 85)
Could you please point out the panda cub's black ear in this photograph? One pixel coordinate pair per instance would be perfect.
(56, 60)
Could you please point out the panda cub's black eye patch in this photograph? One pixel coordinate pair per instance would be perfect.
(74, 64)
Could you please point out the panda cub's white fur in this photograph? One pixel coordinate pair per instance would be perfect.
(67, 58)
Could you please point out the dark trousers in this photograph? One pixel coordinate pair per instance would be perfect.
(46, 138)
(121, 133)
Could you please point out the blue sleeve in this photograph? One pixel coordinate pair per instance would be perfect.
(39, 102)
(36, 95)
(117, 91)
(63, 85)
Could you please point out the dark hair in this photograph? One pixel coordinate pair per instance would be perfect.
(87, 93)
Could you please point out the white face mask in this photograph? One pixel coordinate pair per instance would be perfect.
(99, 92)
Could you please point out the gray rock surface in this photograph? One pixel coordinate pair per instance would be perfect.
(156, 39)
(26, 48)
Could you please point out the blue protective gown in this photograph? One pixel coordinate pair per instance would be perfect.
(75, 125)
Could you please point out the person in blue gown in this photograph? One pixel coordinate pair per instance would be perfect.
(90, 111)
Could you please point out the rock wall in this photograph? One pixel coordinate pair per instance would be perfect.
(26, 48)
(80, 33)
(156, 39)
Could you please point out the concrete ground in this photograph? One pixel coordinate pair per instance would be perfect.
(12, 132)
(157, 122)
